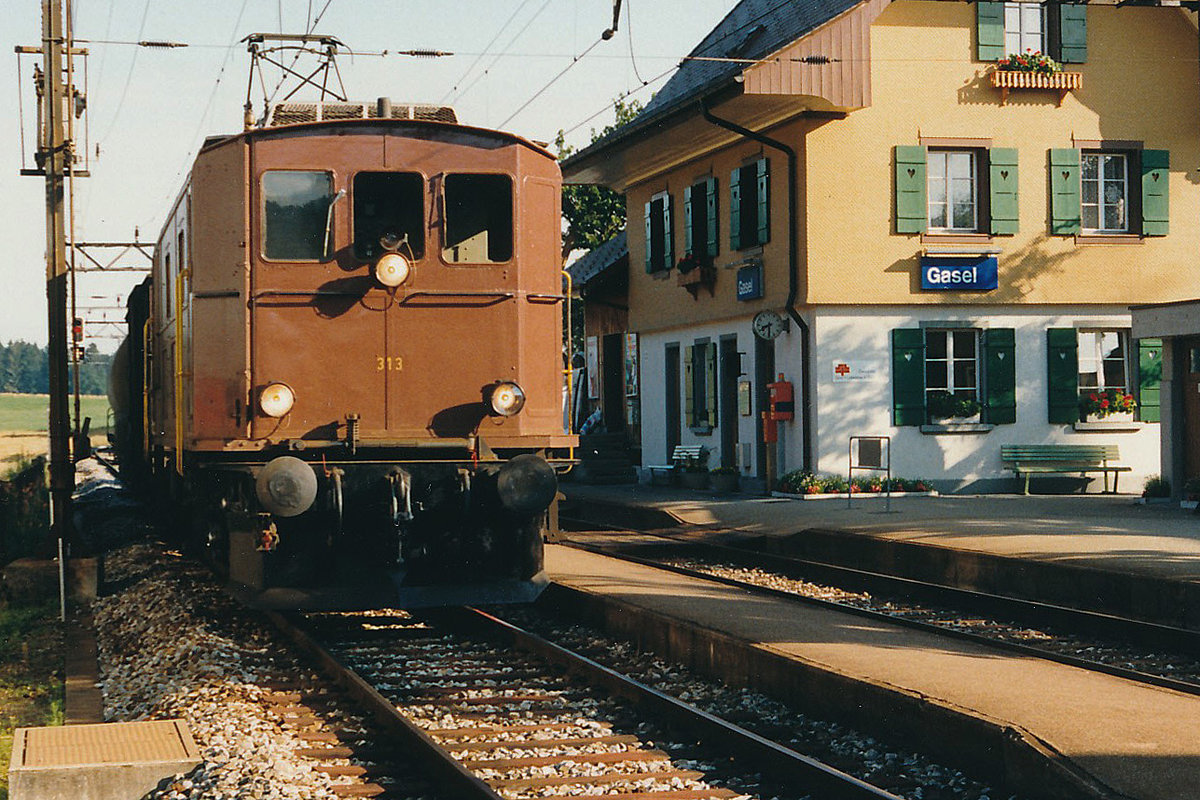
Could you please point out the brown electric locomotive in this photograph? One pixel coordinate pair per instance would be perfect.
(346, 368)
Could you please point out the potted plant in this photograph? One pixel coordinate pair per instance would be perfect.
(1033, 70)
(694, 473)
(952, 407)
(1106, 405)
(696, 271)
(724, 479)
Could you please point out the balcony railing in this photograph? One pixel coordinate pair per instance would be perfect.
(1061, 82)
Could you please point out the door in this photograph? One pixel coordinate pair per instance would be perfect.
(730, 371)
(612, 366)
(1191, 407)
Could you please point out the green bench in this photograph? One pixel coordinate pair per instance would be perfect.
(680, 456)
(1029, 459)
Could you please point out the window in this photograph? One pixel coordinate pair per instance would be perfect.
(297, 211)
(750, 205)
(478, 225)
(389, 204)
(700, 219)
(1024, 27)
(1104, 184)
(953, 191)
(660, 254)
(1103, 362)
(952, 363)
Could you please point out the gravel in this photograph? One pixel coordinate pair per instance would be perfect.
(887, 766)
(1168, 665)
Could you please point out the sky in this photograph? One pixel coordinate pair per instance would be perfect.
(150, 108)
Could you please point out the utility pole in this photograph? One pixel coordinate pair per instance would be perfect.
(54, 159)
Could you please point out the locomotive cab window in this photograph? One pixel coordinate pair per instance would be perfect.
(478, 219)
(297, 214)
(390, 204)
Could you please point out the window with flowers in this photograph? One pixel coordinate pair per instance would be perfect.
(1104, 372)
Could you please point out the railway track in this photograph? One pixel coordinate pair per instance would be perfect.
(1135, 650)
(495, 711)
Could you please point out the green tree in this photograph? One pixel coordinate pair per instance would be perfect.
(594, 214)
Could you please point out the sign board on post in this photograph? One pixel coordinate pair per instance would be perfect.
(959, 273)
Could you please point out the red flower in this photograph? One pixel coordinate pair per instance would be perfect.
(1104, 403)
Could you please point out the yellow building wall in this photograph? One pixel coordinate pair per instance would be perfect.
(1140, 83)
(657, 301)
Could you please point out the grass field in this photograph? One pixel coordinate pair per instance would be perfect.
(23, 423)
(31, 673)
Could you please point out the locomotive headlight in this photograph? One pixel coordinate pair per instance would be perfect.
(507, 399)
(277, 399)
(392, 270)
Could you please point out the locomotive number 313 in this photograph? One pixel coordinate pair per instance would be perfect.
(389, 364)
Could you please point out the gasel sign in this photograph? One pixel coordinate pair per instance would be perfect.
(959, 273)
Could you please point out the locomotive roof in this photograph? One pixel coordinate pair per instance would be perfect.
(424, 126)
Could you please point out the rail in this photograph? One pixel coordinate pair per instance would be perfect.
(1025, 611)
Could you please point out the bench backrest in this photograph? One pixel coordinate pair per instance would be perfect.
(1060, 453)
(687, 452)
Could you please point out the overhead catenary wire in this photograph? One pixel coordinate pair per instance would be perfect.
(502, 53)
(550, 82)
(629, 33)
(479, 56)
(129, 75)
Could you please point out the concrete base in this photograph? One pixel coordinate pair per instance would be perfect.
(114, 761)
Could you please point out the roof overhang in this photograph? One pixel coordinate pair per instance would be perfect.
(1166, 320)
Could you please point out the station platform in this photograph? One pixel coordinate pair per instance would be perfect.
(1102, 552)
(1045, 729)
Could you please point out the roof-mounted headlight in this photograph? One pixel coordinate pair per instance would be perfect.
(276, 400)
(392, 269)
(507, 399)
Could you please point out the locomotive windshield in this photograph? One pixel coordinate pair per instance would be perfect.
(479, 219)
(389, 203)
(296, 205)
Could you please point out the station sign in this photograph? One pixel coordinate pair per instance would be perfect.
(959, 273)
(750, 281)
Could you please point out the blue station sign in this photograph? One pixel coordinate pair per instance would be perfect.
(959, 273)
(750, 282)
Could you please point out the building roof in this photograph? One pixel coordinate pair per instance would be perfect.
(599, 259)
(751, 31)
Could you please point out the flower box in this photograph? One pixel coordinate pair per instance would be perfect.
(694, 279)
(1116, 416)
(1062, 82)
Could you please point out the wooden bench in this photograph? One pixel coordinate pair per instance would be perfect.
(681, 455)
(1027, 459)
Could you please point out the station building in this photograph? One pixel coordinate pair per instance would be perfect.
(854, 194)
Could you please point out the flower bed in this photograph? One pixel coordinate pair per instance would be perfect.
(805, 484)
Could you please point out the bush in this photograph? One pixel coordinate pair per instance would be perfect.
(1192, 489)
(725, 471)
(1156, 486)
(803, 482)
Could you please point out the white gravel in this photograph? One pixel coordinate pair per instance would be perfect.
(173, 646)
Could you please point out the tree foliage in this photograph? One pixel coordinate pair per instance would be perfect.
(594, 214)
(24, 369)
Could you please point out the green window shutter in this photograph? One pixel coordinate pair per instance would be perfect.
(687, 221)
(1149, 379)
(735, 209)
(710, 383)
(989, 29)
(649, 236)
(912, 207)
(668, 233)
(908, 376)
(1062, 375)
(763, 172)
(1000, 391)
(689, 394)
(1003, 173)
(1156, 180)
(1072, 33)
(711, 209)
(1064, 192)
